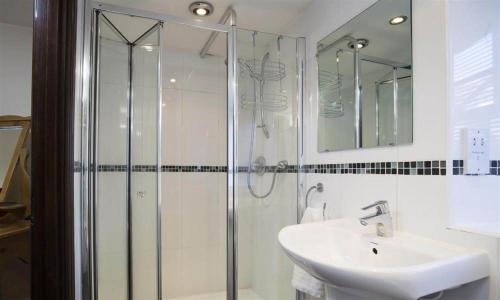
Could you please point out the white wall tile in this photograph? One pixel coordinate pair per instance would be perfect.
(204, 74)
(144, 234)
(202, 114)
(194, 204)
(171, 210)
(429, 83)
(172, 281)
(111, 236)
(171, 135)
(474, 103)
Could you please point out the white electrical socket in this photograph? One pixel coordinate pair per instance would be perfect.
(476, 151)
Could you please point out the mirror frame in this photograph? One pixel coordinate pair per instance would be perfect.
(25, 124)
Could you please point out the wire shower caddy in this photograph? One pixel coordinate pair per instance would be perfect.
(330, 92)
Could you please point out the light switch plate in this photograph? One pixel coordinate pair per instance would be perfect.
(476, 151)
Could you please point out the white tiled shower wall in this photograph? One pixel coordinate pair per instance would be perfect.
(194, 204)
(420, 204)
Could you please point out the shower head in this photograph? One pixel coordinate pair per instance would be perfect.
(263, 64)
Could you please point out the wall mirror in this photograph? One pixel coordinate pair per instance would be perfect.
(365, 80)
(13, 133)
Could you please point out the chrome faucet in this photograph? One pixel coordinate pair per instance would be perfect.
(381, 217)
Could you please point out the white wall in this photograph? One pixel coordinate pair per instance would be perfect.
(420, 204)
(15, 69)
(475, 103)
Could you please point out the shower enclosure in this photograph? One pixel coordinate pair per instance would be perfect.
(190, 157)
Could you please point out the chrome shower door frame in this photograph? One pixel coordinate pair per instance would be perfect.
(87, 75)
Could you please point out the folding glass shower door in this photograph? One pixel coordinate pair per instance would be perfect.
(125, 114)
(157, 154)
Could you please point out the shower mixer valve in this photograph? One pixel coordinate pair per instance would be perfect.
(259, 165)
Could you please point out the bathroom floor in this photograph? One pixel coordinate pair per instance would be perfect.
(243, 295)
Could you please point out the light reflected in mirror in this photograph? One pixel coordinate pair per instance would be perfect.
(365, 80)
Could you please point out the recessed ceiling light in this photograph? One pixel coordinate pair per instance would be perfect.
(398, 20)
(173, 80)
(361, 43)
(201, 9)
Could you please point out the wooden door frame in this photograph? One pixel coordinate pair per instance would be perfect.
(53, 82)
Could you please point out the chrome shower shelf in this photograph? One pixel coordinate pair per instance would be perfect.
(273, 70)
(272, 102)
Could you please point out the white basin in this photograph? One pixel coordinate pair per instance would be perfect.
(342, 253)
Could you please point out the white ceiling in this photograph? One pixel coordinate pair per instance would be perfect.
(261, 15)
(17, 12)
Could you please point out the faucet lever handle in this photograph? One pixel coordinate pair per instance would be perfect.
(381, 206)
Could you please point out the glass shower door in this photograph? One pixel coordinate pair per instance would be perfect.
(156, 121)
(194, 159)
(268, 139)
(124, 152)
(145, 202)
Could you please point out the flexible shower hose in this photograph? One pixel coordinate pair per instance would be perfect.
(280, 166)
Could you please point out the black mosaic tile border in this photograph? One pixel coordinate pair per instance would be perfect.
(189, 169)
(112, 168)
(458, 167)
(164, 168)
(427, 167)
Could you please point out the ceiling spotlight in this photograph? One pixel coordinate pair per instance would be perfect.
(173, 80)
(398, 20)
(361, 43)
(201, 9)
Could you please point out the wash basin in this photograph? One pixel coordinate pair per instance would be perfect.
(344, 254)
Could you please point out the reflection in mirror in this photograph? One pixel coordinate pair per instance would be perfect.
(365, 80)
(336, 99)
(13, 133)
(9, 136)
